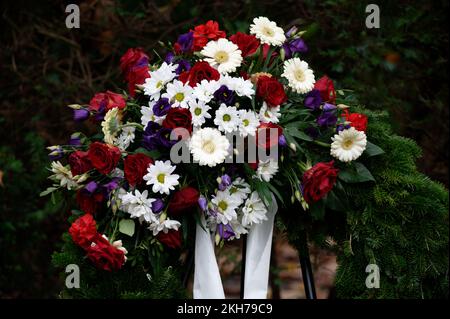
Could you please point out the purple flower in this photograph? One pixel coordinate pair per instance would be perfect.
(169, 58)
(163, 136)
(183, 65)
(291, 31)
(112, 185)
(80, 115)
(75, 140)
(225, 181)
(342, 127)
(313, 100)
(282, 141)
(312, 131)
(224, 95)
(91, 187)
(150, 137)
(327, 119)
(157, 205)
(203, 203)
(56, 152)
(225, 231)
(294, 46)
(329, 107)
(161, 107)
(184, 42)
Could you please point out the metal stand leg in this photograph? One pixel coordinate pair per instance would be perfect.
(305, 264)
(244, 256)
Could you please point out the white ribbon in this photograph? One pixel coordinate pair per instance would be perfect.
(207, 281)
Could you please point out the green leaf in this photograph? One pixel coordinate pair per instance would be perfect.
(299, 134)
(334, 202)
(317, 210)
(126, 226)
(356, 173)
(373, 150)
(153, 154)
(47, 191)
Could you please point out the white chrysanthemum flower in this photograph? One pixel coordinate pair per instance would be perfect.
(249, 123)
(179, 94)
(204, 91)
(158, 80)
(227, 118)
(111, 125)
(267, 169)
(209, 147)
(267, 31)
(238, 229)
(238, 84)
(239, 190)
(149, 116)
(348, 145)
(199, 111)
(269, 114)
(160, 176)
(254, 210)
(126, 137)
(138, 205)
(63, 175)
(164, 226)
(222, 55)
(300, 76)
(226, 206)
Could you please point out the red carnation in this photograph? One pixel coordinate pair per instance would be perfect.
(79, 162)
(326, 88)
(200, 71)
(248, 44)
(318, 181)
(107, 101)
(104, 255)
(178, 117)
(204, 33)
(270, 90)
(171, 239)
(183, 200)
(357, 120)
(267, 135)
(135, 167)
(83, 231)
(88, 202)
(104, 157)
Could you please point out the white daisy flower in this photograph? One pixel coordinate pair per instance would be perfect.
(160, 176)
(226, 206)
(254, 210)
(300, 76)
(111, 125)
(238, 229)
(267, 169)
(248, 124)
(158, 80)
(239, 190)
(348, 145)
(63, 175)
(164, 226)
(126, 137)
(223, 55)
(204, 91)
(199, 111)
(149, 116)
(267, 31)
(179, 94)
(138, 205)
(227, 118)
(238, 84)
(209, 147)
(269, 114)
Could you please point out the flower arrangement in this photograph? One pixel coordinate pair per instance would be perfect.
(216, 130)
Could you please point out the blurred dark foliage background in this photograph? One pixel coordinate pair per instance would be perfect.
(401, 67)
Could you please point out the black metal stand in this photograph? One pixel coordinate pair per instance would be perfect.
(244, 256)
(189, 267)
(305, 264)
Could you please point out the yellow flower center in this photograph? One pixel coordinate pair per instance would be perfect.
(198, 111)
(299, 75)
(221, 57)
(223, 205)
(269, 32)
(246, 122)
(179, 97)
(209, 147)
(227, 117)
(347, 144)
(159, 84)
(161, 178)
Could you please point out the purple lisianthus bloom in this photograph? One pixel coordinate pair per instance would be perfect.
(224, 95)
(75, 140)
(80, 115)
(294, 46)
(312, 132)
(100, 115)
(185, 42)
(202, 203)
(91, 187)
(225, 231)
(313, 100)
(328, 107)
(157, 205)
(183, 65)
(112, 185)
(282, 141)
(327, 119)
(342, 127)
(161, 107)
(225, 181)
(56, 152)
(163, 137)
(169, 58)
(150, 138)
(293, 30)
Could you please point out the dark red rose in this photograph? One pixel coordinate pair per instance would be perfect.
(137, 76)
(83, 231)
(204, 33)
(268, 134)
(357, 120)
(104, 157)
(133, 58)
(171, 239)
(79, 162)
(200, 71)
(248, 44)
(90, 203)
(318, 181)
(183, 201)
(107, 101)
(104, 255)
(326, 88)
(135, 167)
(270, 90)
(178, 117)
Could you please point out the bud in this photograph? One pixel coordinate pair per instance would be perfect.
(162, 217)
(298, 196)
(282, 54)
(292, 199)
(342, 106)
(74, 106)
(293, 147)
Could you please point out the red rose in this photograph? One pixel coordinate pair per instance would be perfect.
(79, 162)
(248, 44)
(171, 239)
(267, 135)
(133, 58)
(183, 200)
(107, 101)
(357, 120)
(137, 76)
(200, 71)
(104, 255)
(206, 32)
(135, 167)
(88, 202)
(178, 117)
(326, 89)
(83, 231)
(104, 157)
(318, 181)
(270, 90)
